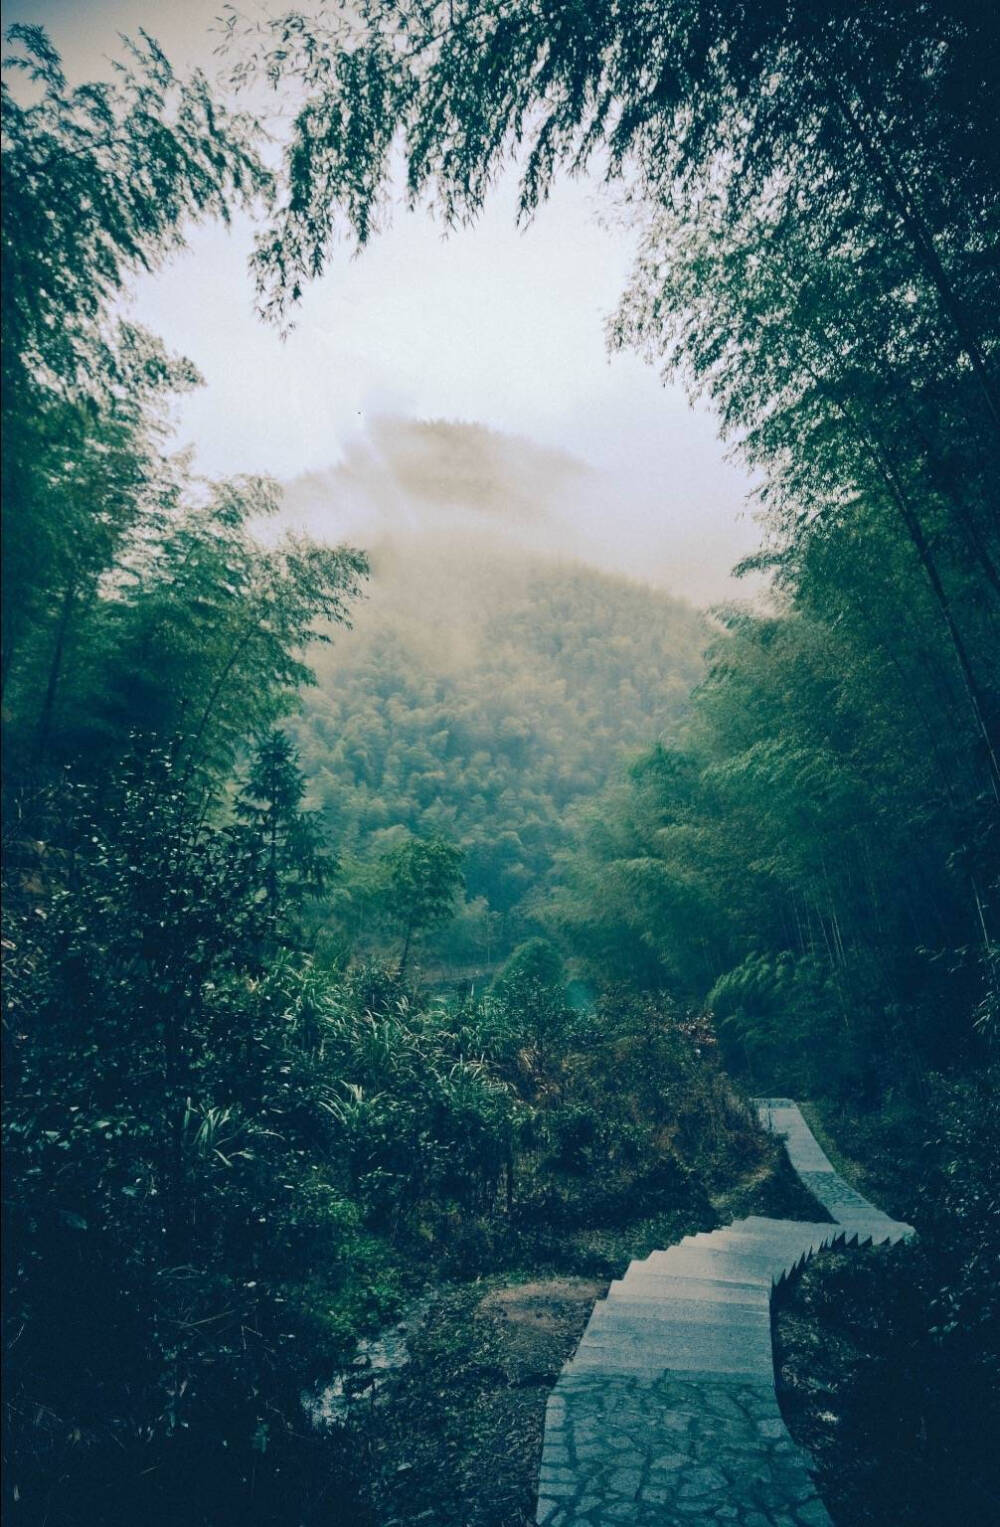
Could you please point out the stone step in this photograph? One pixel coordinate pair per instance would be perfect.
(714, 1290)
(679, 1347)
(761, 1222)
(776, 1255)
(785, 1251)
(704, 1262)
(758, 1225)
(650, 1315)
(853, 1221)
(876, 1231)
(759, 1241)
(667, 1411)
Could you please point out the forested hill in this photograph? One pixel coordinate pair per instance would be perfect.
(480, 696)
(245, 1122)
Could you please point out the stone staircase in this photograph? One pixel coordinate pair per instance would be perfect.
(667, 1414)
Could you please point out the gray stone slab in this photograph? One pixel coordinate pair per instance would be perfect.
(772, 1230)
(690, 1311)
(804, 1150)
(839, 1198)
(863, 1230)
(780, 1244)
(704, 1262)
(712, 1290)
(678, 1345)
(679, 1449)
(758, 1224)
(667, 1415)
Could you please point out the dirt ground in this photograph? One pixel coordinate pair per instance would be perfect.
(456, 1440)
(541, 1322)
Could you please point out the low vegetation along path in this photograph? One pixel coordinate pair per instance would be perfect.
(667, 1412)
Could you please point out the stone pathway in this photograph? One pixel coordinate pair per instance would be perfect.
(666, 1414)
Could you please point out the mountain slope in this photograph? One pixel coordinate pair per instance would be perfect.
(481, 696)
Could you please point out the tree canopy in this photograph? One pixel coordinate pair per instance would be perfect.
(239, 1129)
(819, 196)
(483, 696)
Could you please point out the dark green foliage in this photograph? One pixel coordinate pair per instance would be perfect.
(167, 1205)
(201, 1151)
(168, 1202)
(481, 697)
(99, 182)
(536, 960)
(889, 1361)
(222, 1154)
(136, 600)
(219, 1167)
(657, 1141)
(798, 859)
(530, 993)
(819, 195)
(420, 882)
(285, 841)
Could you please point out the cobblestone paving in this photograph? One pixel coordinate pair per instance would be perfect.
(666, 1414)
(673, 1449)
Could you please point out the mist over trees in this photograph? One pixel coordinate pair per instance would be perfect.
(819, 197)
(482, 697)
(240, 1129)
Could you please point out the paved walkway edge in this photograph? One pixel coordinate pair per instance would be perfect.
(666, 1414)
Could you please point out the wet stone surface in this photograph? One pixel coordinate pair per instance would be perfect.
(375, 1359)
(678, 1449)
(667, 1415)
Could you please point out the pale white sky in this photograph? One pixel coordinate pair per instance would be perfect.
(490, 326)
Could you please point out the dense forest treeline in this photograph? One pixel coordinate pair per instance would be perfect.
(816, 860)
(481, 697)
(227, 1154)
(234, 1139)
(818, 195)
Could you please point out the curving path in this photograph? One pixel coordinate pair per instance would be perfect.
(666, 1414)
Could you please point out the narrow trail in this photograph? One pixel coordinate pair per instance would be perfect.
(667, 1414)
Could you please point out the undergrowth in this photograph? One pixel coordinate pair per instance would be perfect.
(889, 1359)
